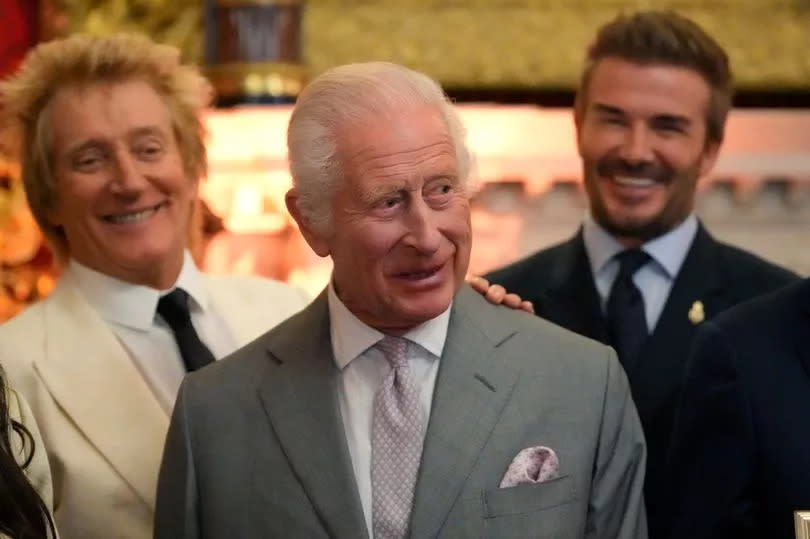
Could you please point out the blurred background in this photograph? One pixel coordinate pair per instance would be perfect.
(510, 65)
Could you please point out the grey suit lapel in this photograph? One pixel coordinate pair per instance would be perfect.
(471, 391)
(300, 397)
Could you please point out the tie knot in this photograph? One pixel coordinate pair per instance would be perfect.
(630, 261)
(393, 348)
(173, 307)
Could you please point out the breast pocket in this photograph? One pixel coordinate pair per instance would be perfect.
(537, 510)
(527, 498)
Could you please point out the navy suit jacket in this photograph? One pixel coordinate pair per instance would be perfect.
(559, 282)
(740, 460)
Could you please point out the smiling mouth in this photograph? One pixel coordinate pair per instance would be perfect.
(628, 181)
(421, 274)
(133, 217)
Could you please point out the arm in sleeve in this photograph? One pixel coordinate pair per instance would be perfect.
(616, 504)
(176, 507)
(711, 455)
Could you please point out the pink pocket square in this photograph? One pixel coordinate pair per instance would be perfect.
(532, 465)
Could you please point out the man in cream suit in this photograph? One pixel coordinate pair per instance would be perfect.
(112, 149)
(396, 404)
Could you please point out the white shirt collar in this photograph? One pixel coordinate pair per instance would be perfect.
(668, 250)
(351, 337)
(130, 304)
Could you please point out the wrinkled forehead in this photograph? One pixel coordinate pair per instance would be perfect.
(103, 109)
(415, 141)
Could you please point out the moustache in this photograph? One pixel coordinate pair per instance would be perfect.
(616, 166)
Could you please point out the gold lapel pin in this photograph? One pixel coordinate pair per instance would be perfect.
(696, 312)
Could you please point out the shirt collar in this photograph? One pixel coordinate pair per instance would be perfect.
(668, 250)
(130, 304)
(191, 280)
(351, 337)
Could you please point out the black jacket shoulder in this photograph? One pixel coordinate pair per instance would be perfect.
(740, 271)
(546, 265)
(747, 274)
(776, 308)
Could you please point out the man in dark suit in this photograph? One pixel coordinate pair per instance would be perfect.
(642, 273)
(400, 403)
(740, 458)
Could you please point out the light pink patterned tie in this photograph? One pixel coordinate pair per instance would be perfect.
(396, 444)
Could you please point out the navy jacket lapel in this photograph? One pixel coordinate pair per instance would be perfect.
(570, 298)
(803, 326)
(698, 287)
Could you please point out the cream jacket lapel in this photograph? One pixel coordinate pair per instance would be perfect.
(251, 305)
(84, 367)
(101, 424)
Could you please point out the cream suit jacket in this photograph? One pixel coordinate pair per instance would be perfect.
(102, 425)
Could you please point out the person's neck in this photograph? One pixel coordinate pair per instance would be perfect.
(629, 242)
(160, 276)
(394, 330)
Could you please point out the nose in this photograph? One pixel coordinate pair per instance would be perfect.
(636, 147)
(423, 232)
(128, 179)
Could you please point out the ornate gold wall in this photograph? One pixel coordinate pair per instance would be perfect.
(492, 43)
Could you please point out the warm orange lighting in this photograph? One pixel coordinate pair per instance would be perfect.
(527, 146)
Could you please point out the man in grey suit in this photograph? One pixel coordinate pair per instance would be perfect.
(399, 403)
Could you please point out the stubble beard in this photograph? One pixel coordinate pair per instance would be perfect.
(676, 209)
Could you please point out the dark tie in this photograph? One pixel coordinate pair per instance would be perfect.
(627, 323)
(173, 307)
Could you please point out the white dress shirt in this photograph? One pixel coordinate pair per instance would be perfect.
(363, 368)
(131, 312)
(655, 278)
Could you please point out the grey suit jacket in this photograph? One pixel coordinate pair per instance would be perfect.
(256, 446)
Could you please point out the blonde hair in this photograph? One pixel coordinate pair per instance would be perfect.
(347, 95)
(82, 60)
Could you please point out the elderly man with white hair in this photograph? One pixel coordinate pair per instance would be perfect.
(399, 403)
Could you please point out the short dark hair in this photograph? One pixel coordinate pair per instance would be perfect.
(664, 38)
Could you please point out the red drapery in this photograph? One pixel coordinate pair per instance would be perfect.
(19, 22)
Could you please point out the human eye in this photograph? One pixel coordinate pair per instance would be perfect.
(387, 203)
(612, 120)
(669, 126)
(88, 160)
(390, 202)
(441, 188)
(149, 150)
(440, 192)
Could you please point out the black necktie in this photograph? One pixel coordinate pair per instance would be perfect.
(173, 307)
(627, 323)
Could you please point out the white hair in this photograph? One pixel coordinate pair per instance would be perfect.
(344, 96)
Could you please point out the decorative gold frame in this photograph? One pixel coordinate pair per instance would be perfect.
(802, 522)
(495, 43)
